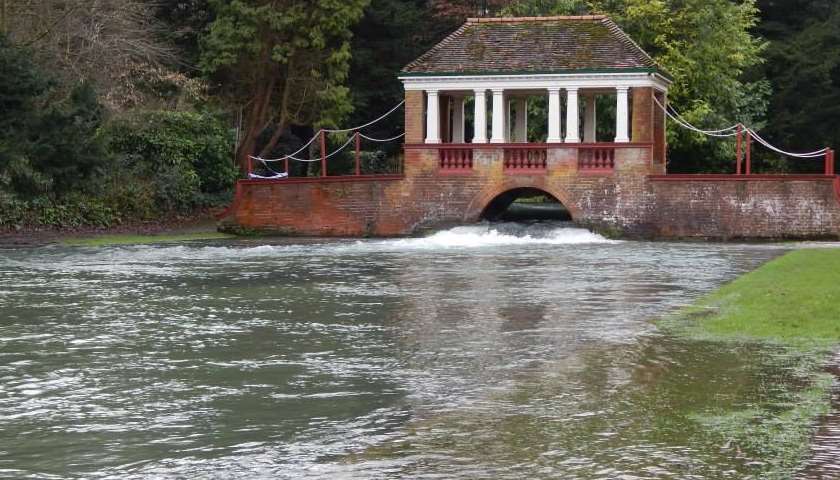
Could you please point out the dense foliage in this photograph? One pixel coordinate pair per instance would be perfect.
(136, 109)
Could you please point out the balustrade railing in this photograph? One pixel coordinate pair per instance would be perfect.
(456, 159)
(596, 159)
(524, 159)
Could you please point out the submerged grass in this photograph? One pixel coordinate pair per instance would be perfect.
(792, 306)
(103, 240)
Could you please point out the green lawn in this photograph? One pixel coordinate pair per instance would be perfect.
(101, 240)
(794, 299)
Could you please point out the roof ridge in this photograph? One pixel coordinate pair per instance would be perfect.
(474, 20)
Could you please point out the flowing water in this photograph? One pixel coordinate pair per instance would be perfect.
(504, 351)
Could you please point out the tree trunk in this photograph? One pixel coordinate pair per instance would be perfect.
(255, 120)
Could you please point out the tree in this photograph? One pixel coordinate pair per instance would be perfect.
(283, 61)
(114, 44)
(804, 69)
(46, 146)
(461, 9)
(391, 34)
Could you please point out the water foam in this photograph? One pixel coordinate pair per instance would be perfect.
(488, 235)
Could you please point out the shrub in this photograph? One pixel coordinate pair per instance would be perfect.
(175, 160)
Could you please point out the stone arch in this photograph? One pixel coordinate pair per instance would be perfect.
(480, 202)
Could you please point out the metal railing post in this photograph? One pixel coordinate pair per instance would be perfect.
(358, 153)
(323, 153)
(749, 154)
(739, 150)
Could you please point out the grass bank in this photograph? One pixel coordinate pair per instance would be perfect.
(789, 308)
(793, 300)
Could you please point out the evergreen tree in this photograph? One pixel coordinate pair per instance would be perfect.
(803, 66)
(46, 146)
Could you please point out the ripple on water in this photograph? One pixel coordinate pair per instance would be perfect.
(494, 351)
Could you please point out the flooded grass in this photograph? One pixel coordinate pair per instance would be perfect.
(789, 306)
(103, 240)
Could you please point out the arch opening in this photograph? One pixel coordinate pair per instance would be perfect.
(525, 204)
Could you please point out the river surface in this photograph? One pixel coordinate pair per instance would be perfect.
(498, 351)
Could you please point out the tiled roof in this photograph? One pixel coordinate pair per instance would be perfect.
(533, 45)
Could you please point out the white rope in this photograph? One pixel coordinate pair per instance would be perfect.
(318, 133)
(685, 124)
(814, 154)
(718, 133)
(675, 112)
(268, 167)
(367, 124)
(307, 160)
(382, 140)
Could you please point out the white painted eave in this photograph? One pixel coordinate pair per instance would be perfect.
(537, 81)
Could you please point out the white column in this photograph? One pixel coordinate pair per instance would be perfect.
(521, 120)
(572, 116)
(622, 119)
(554, 116)
(507, 120)
(458, 120)
(498, 116)
(480, 117)
(590, 119)
(432, 117)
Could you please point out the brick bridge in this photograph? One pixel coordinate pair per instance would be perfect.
(619, 187)
(628, 199)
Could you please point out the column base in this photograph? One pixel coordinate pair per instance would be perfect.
(622, 140)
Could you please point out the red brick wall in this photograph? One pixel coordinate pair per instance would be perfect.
(727, 208)
(627, 201)
(643, 116)
(414, 117)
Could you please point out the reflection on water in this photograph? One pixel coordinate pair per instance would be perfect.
(480, 352)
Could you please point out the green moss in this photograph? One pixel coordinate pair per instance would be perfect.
(102, 240)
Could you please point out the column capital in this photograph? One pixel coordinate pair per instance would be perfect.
(432, 91)
(554, 89)
(622, 88)
(498, 90)
(572, 89)
(479, 91)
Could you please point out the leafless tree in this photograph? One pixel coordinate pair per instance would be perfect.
(115, 43)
